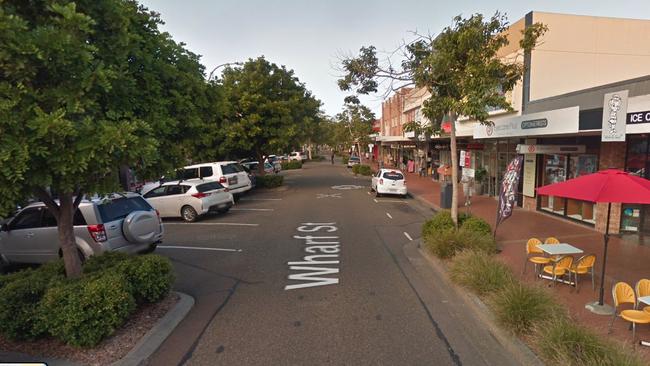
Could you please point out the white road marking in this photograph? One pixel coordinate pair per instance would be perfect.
(374, 199)
(387, 214)
(368, 193)
(333, 195)
(392, 201)
(347, 187)
(408, 236)
(210, 224)
(251, 209)
(260, 199)
(198, 248)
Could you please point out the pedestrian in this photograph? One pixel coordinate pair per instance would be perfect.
(332, 157)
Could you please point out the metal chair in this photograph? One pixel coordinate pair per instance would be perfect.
(642, 288)
(559, 268)
(531, 248)
(584, 265)
(624, 294)
(551, 240)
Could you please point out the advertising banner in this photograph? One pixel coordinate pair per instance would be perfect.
(614, 116)
(508, 191)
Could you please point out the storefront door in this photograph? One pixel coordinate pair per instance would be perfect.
(636, 218)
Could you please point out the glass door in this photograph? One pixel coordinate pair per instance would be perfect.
(555, 171)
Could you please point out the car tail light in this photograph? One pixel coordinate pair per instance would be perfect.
(97, 232)
(404, 181)
(381, 181)
(199, 195)
(222, 179)
(157, 214)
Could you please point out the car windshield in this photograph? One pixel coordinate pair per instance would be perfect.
(393, 175)
(354, 158)
(119, 208)
(205, 187)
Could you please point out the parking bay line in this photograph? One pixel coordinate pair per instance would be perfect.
(198, 248)
(389, 201)
(260, 199)
(408, 236)
(387, 214)
(210, 224)
(251, 209)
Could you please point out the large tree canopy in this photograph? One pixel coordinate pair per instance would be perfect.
(354, 125)
(267, 110)
(88, 86)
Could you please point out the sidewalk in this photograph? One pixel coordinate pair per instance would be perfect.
(626, 261)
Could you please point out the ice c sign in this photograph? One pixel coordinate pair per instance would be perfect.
(638, 117)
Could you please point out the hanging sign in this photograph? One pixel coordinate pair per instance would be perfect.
(468, 159)
(461, 161)
(614, 116)
(508, 191)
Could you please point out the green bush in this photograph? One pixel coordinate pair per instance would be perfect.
(20, 295)
(269, 181)
(479, 272)
(363, 170)
(83, 312)
(519, 307)
(289, 165)
(355, 169)
(563, 342)
(447, 243)
(106, 260)
(476, 224)
(150, 277)
(440, 222)
(345, 159)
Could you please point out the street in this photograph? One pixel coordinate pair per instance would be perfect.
(318, 271)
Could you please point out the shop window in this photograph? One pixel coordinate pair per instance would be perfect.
(636, 218)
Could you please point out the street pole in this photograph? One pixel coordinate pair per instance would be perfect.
(602, 274)
(222, 65)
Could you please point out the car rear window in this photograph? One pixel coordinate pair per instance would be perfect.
(393, 176)
(205, 187)
(354, 158)
(206, 171)
(119, 208)
(231, 168)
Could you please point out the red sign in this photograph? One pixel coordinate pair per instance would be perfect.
(468, 162)
(475, 146)
(446, 127)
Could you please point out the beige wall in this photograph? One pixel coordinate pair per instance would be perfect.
(580, 52)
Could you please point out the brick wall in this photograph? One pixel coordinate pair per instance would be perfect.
(612, 155)
(529, 203)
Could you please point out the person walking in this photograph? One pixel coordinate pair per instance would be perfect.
(332, 157)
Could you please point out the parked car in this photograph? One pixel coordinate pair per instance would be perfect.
(389, 181)
(253, 167)
(275, 161)
(190, 199)
(230, 174)
(353, 160)
(119, 222)
(296, 156)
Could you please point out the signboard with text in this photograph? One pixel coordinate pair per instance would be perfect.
(554, 122)
(550, 149)
(614, 116)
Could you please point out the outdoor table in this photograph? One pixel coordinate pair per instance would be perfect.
(558, 250)
(645, 300)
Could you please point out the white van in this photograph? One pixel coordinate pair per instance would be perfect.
(229, 173)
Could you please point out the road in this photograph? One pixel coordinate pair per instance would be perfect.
(317, 272)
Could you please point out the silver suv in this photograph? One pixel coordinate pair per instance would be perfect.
(121, 222)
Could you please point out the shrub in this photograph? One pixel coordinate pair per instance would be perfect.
(150, 277)
(20, 296)
(104, 261)
(476, 224)
(479, 272)
(289, 165)
(563, 342)
(518, 307)
(355, 169)
(446, 244)
(345, 159)
(85, 311)
(363, 170)
(440, 222)
(269, 181)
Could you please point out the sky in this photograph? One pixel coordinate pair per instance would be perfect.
(310, 36)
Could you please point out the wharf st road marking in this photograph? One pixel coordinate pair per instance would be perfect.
(326, 247)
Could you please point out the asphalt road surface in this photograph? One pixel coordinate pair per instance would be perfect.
(316, 272)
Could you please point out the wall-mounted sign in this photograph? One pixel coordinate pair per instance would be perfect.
(530, 173)
(614, 116)
(555, 122)
(638, 117)
(550, 149)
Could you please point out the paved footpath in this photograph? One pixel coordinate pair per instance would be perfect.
(316, 273)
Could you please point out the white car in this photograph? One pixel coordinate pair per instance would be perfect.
(230, 174)
(389, 181)
(295, 156)
(190, 199)
(353, 160)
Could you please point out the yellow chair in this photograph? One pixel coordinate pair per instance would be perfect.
(624, 294)
(584, 265)
(531, 248)
(559, 268)
(551, 240)
(642, 288)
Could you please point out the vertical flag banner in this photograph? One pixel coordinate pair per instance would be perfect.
(508, 191)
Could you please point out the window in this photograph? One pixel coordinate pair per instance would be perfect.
(393, 176)
(231, 168)
(206, 171)
(119, 208)
(177, 189)
(191, 173)
(208, 187)
(50, 221)
(158, 192)
(27, 219)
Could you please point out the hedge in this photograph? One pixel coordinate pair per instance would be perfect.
(269, 180)
(479, 272)
(362, 169)
(447, 243)
(476, 224)
(289, 165)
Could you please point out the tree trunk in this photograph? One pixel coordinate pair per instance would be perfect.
(66, 236)
(454, 170)
(260, 163)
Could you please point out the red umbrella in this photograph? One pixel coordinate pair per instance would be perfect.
(611, 186)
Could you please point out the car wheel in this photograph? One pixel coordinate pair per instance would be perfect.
(150, 249)
(189, 214)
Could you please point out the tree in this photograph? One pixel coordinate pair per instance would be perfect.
(355, 123)
(88, 87)
(460, 68)
(266, 110)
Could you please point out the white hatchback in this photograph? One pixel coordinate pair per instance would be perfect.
(189, 200)
(389, 181)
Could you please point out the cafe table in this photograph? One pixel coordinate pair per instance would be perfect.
(558, 250)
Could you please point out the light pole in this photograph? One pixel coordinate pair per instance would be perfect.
(222, 65)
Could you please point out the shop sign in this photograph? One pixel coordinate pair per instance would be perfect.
(461, 160)
(551, 149)
(638, 117)
(558, 121)
(475, 146)
(468, 159)
(468, 172)
(530, 172)
(441, 147)
(614, 116)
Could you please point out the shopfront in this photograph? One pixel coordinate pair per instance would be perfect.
(636, 218)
